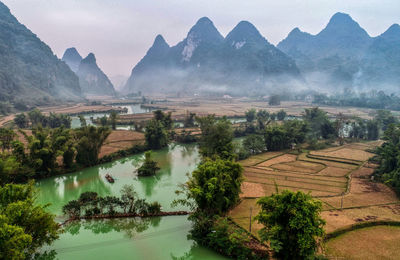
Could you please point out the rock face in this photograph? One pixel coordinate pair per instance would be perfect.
(29, 71)
(72, 58)
(343, 54)
(92, 79)
(205, 61)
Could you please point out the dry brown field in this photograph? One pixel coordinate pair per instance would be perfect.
(121, 140)
(380, 242)
(342, 184)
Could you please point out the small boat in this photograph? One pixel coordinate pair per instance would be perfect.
(109, 178)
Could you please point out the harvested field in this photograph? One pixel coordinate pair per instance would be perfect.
(280, 159)
(254, 160)
(380, 242)
(345, 153)
(288, 167)
(334, 171)
(120, 140)
(325, 179)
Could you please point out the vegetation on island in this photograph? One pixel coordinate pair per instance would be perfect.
(90, 204)
(149, 166)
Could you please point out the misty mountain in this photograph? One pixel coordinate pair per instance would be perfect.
(343, 54)
(92, 79)
(72, 58)
(29, 70)
(381, 62)
(206, 61)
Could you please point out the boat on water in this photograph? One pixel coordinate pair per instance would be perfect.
(109, 178)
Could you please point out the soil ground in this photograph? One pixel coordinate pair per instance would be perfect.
(380, 242)
(343, 184)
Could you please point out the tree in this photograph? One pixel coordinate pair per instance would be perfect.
(6, 138)
(372, 130)
(216, 137)
(276, 138)
(254, 144)
(156, 135)
(21, 120)
(82, 120)
(212, 190)
(274, 100)
(250, 115)
(164, 119)
(189, 119)
(281, 115)
(103, 121)
(128, 196)
(90, 139)
(24, 227)
(36, 117)
(113, 120)
(262, 119)
(292, 224)
(149, 166)
(318, 121)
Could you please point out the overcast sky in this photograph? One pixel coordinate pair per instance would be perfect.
(119, 32)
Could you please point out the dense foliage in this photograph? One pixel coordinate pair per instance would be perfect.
(149, 166)
(372, 99)
(216, 137)
(292, 224)
(35, 118)
(90, 204)
(24, 227)
(156, 133)
(90, 140)
(388, 157)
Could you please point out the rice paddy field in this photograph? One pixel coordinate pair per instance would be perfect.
(338, 176)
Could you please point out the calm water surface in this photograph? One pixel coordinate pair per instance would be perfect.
(133, 238)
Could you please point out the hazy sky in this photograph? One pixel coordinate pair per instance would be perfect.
(119, 32)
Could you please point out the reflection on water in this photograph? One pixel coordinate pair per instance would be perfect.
(174, 161)
(131, 238)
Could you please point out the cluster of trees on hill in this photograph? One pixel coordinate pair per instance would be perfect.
(373, 99)
(388, 157)
(91, 204)
(264, 134)
(157, 133)
(36, 118)
(38, 156)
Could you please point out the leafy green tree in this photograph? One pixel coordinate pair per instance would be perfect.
(216, 137)
(36, 117)
(292, 224)
(189, 119)
(254, 144)
(82, 120)
(149, 166)
(262, 119)
(276, 138)
(212, 190)
(372, 130)
(156, 135)
(21, 120)
(385, 118)
(90, 140)
(113, 119)
(20, 218)
(281, 115)
(164, 119)
(128, 197)
(250, 115)
(318, 121)
(6, 138)
(388, 157)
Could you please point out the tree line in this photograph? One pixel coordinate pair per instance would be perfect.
(91, 204)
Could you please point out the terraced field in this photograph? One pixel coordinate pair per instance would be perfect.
(338, 176)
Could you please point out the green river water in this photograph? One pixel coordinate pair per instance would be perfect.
(131, 238)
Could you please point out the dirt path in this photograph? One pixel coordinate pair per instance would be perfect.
(6, 119)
